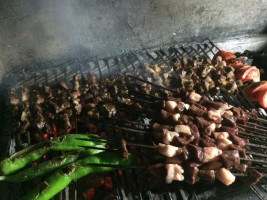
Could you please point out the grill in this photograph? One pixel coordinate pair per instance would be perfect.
(126, 186)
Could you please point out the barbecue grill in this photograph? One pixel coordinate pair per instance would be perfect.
(126, 186)
(46, 42)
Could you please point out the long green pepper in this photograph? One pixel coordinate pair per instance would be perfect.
(48, 166)
(62, 178)
(63, 143)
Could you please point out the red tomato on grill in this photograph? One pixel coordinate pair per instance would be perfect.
(262, 98)
(226, 56)
(235, 64)
(253, 90)
(247, 73)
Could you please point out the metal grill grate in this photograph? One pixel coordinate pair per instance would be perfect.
(126, 186)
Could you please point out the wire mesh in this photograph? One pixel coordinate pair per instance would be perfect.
(51, 73)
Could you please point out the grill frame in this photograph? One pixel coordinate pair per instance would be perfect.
(51, 73)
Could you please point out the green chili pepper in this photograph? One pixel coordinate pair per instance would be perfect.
(49, 166)
(62, 178)
(63, 143)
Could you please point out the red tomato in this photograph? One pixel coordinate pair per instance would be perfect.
(226, 56)
(253, 75)
(262, 98)
(252, 90)
(248, 73)
(235, 64)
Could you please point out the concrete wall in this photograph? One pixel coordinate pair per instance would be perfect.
(41, 30)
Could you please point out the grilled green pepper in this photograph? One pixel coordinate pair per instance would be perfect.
(48, 166)
(62, 178)
(63, 143)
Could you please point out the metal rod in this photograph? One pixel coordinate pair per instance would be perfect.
(117, 141)
(159, 86)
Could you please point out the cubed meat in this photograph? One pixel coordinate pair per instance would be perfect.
(208, 175)
(169, 150)
(210, 154)
(174, 172)
(225, 176)
(194, 97)
(183, 129)
(215, 115)
(223, 143)
(230, 158)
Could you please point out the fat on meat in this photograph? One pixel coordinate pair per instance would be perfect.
(210, 154)
(215, 115)
(194, 97)
(225, 176)
(169, 150)
(168, 136)
(183, 129)
(174, 172)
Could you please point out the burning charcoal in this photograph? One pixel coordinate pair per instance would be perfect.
(253, 176)
(230, 158)
(195, 153)
(208, 175)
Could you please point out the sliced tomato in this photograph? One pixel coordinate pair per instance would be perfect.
(242, 69)
(252, 90)
(235, 64)
(226, 56)
(262, 98)
(248, 73)
(253, 75)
